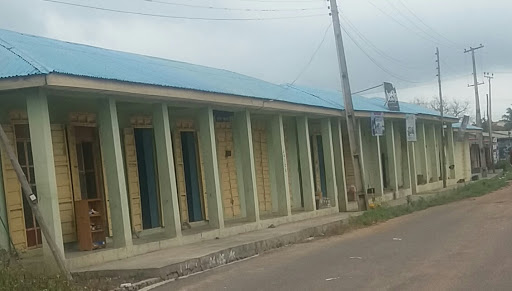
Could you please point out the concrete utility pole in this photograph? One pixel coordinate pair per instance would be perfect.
(32, 201)
(347, 98)
(483, 163)
(489, 77)
(441, 108)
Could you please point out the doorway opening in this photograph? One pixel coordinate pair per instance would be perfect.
(149, 200)
(192, 176)
(317, 156)
(24, 150)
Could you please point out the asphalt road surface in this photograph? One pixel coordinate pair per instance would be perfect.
(465, 245)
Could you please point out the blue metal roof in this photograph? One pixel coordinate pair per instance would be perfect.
(25, 55)
(361, 103)
(469, 127)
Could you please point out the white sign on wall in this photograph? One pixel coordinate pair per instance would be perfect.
(410, 125)
(377, 121)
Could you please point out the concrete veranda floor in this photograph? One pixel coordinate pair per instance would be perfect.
(182, 254)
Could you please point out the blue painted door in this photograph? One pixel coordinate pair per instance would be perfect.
(191, 167)
(144, 144)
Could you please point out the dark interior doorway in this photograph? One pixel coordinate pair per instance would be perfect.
(192, 179)
(145, 146)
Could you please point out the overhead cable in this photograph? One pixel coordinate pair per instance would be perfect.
(314, 54)
(233, 9)
(182, 17)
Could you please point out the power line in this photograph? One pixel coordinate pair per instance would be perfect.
(434, 38)
(425, 24)
(375, 62)
(233, 9)
(180, 17)
(373, 46)
(401, 24)
(314, 54)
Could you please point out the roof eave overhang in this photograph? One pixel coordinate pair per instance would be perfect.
(134, 91)
(22, 82)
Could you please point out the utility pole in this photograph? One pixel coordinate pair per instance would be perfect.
(347, 99)
(441, 108)
(489, 77)
(483, 163)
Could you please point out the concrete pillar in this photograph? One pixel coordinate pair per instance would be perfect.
(4, 227)
(211, 168)
(391, 153)
(293, 164)
(361, 157)
(412, 166)
(330, 168)
(244, 159)
(166, 172)
(423, 152)
(406, 164)
(339, 163)
(379, 189)
(114, 171)
(44, 167)
(277, 162)
(306, 165)
(450, 152)
(433, 150)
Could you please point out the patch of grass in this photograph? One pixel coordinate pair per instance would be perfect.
(475, 189)
(14, 278)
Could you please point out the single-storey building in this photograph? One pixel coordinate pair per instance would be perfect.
(129, 154)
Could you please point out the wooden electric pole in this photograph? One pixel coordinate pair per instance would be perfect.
(483, 163)
(347, 99)
(32, 201)
(489, 77)
(441, 109)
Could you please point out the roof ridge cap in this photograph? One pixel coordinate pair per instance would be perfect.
(25, 57)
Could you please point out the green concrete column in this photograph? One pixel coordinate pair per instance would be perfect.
(330, 168)
(423, 152)
(361, 157)
(114, 171)
(208, 147)
(379, 189)
(277, 161)
(450, 152)
(391, 153)
(166, 172)
(44, 167)
(433, 151)
(244, 159)
(339, 163)
(306, 166)
(293, 164)
(4, 225)
(412, 166)
(406, 164)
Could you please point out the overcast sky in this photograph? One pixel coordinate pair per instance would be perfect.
(399, 35)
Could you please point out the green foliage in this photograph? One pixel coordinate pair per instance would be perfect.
(17, 278)
(475, 189)
(504, 165)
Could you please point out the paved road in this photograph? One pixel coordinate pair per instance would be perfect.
(461, 246)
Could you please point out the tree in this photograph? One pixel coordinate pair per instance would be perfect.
(452, 107)
(508, 118)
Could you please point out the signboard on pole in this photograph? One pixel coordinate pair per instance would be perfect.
(463, 126)
(410, 125)
(391, 97)
(377, 121)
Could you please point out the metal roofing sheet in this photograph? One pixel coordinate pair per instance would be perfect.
(23, 55)
(469, 127)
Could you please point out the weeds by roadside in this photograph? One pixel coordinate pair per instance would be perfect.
(475, 189)
(14, 278)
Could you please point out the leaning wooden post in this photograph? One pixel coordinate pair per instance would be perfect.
(27, 191)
